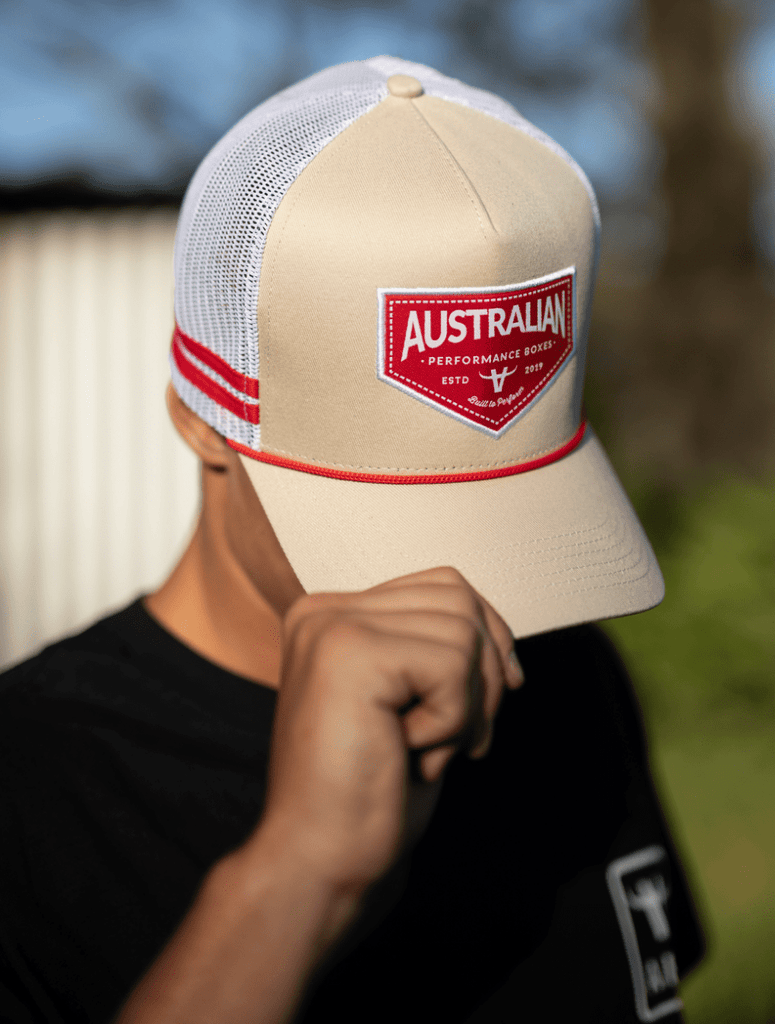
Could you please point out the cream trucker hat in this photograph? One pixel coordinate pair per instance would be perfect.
(383, 281)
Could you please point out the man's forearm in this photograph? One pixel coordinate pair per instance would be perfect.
(244, 953)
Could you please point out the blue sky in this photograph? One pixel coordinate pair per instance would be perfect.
(129, 92)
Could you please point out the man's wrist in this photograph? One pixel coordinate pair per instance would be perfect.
(274, 859)
(260, 926)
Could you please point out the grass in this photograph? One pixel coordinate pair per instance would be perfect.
(704, 666)
(720, 797)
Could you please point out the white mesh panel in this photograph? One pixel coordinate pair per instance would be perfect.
(229, 206)
(233, 196)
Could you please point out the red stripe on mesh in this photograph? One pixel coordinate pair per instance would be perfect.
(397, 478)
(210, 388)
(247, 385)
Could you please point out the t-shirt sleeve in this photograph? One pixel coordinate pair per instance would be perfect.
(625, 930)
(619, 691)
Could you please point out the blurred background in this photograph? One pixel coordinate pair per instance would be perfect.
(668, 105)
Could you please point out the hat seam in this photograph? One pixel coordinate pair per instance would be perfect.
(512, 578)
(551, 536)
(578, 579)
(248, 314)
(465, 181)
(587, 590)
(415, 469)
(353, 127)
(546, 575)
(558, 572)
(559, 547)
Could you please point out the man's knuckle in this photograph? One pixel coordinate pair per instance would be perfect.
(301, 608)
(300, 629)
(339, 635)
(449, 574)
(458, 661)
(317, 602)
(311, 610)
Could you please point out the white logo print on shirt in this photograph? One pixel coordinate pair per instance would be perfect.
(640, 897)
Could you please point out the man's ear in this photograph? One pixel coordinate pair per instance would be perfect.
(207, 444)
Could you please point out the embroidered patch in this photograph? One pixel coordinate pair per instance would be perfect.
(481, 355)
(639, 885)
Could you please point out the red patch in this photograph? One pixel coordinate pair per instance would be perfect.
(482, 355)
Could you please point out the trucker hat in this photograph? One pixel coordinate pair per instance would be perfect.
(383, 281)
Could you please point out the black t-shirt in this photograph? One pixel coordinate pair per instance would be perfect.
(546, 887)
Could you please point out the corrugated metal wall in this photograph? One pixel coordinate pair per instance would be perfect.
(98, 494)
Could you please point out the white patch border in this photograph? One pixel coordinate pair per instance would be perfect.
(613, 876)
(488, 289)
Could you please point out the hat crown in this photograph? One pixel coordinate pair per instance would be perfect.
(230, 215)
(384, 277)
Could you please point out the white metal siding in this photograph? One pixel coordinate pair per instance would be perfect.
(98, 494)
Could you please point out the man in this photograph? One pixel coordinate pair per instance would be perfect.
(238, 799)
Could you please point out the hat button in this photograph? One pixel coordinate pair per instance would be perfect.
(404, 86)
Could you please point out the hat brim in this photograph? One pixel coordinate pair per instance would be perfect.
(549, 548)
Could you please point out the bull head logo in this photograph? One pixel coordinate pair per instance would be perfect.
(497, 378)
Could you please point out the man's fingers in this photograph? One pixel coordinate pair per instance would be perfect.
(438, 604)
(434, 587)
(444, 676)
(504, 640)
(435, 761)
(412, 670)
(422, 623)
(455, 631)
(441, 583)
(441, 588)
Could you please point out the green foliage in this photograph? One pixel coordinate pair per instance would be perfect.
(705, 658)
(718, 793)
(703, 663)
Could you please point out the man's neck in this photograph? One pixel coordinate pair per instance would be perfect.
(209, 603)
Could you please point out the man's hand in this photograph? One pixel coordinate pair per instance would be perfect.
(416, 663)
